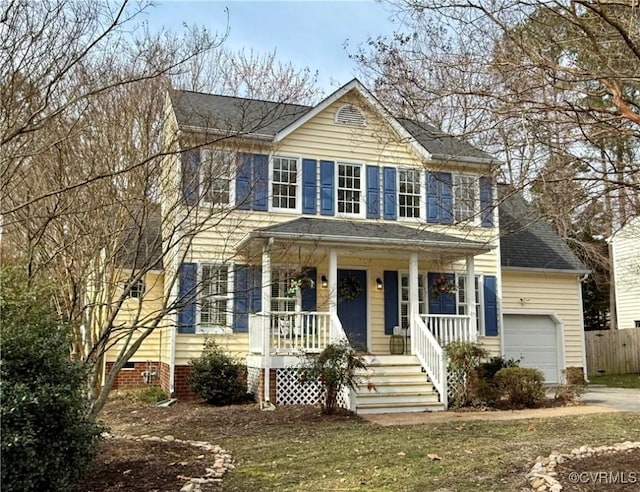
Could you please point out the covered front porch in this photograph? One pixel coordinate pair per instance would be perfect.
(369, 283)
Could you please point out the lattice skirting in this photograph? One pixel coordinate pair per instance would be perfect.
(289, 390)
(455, 382)
(253, 377)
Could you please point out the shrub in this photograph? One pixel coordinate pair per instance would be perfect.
(334, 368)
(149, 394)
(464, 358)
(574, 388)
(485, 388)
(522, 386)
(575, 376)
(218, 378)
(47, 437)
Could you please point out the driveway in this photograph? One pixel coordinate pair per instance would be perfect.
(619, 398)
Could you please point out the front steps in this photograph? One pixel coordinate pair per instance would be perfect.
(400, 386)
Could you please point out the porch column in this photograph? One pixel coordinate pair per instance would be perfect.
(333, 281)
(413, 294)
(470, 292)
(266, 317)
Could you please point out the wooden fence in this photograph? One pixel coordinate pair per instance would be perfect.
(614, 351)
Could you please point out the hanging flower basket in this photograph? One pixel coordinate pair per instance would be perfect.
(442, 285)
(349, 289)
(298, 283)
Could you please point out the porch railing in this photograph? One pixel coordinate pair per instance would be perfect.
(431, 356)
(447, 328)
(290, 332)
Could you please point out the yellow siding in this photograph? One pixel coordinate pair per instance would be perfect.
(558, 293)
(218, 231)
(626, 268)
(143, 312)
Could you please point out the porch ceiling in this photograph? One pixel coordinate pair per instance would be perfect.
(372, 236)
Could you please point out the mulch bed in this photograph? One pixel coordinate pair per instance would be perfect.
(615, 472)
(145, 466)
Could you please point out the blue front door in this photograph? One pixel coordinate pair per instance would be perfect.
(352, 306)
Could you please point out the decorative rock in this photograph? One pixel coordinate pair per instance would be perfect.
(542, 474)
(222, 461)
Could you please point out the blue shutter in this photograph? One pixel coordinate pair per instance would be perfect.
(446, 197)
(191, 176)
(390, 301)
(241, 299)
(309, 186)
(439, 198)
(433, 210)
(308, 300)
(327, 189)
(389, 188)
(187, 279)
(444, 303)
(490, 306)
(243, 181)
(486, 203)
(373, 192)
(256, 289)
(260, 182)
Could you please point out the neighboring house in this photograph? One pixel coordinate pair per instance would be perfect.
(625, 259)
(304, 225)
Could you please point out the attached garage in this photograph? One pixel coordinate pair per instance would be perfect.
(535, 339)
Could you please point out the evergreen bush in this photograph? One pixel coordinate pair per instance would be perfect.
(217, 377)
(47, 438)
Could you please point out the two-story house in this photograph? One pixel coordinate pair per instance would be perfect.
(296, 226)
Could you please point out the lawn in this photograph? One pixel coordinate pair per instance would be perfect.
(616, 380)
(294, 449)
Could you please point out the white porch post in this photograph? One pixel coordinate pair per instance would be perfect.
(413, 294)
(266, 316)
(470, 292)
(333, 281)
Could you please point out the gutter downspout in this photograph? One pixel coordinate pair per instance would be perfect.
(173, 328)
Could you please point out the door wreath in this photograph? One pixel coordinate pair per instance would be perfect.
(349, 288)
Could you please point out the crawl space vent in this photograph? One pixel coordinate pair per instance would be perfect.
(350, 115)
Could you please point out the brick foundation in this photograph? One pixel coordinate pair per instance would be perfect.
(133, 378)
(272, 386)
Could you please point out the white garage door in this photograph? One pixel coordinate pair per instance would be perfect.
(534, 340)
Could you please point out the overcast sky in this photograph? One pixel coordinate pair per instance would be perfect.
(307, 33)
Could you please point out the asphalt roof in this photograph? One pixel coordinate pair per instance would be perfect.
(343, 229)
(236, 115)
(527, 240)
(141, 245)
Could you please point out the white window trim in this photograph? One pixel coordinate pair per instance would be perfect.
(231, 178)
(475, 213)
(425, 289)
(298, 297)
(216, 330)
(363, 189)
(298, 207)
(423, 196)
(479, 299)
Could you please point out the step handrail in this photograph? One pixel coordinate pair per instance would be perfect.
(431, 355)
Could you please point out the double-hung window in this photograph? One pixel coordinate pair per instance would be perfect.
(215, 300)
(464, 197)
(404, 299)
(283, 297)
(462, 300)
(409, 195)
(217, 168)
(284, 190)
(349, 188)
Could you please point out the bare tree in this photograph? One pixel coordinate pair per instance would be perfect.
(86, 144)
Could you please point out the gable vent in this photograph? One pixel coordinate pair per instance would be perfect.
(350, 115)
